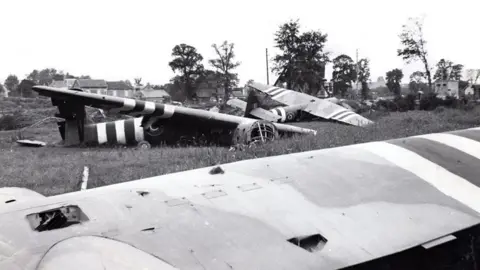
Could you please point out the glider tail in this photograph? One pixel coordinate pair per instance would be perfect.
(252, 102)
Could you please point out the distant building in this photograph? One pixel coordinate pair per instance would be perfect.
(91, 86)
(444, 88)
(120, 89)
(63, 84)
(155, 95)
(473, 90)
(209, 89)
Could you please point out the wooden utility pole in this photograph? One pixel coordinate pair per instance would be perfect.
(266, 60)
(357, 70)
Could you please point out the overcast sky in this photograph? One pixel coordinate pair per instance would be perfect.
(119, 39)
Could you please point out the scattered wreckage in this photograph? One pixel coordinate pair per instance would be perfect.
(296, 106)
(155, 123)
(412, 203)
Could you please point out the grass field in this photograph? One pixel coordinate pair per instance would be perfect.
(55, 170)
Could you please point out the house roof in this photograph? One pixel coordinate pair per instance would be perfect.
(154, 93)
(58, 84)
(67, 83)
(89, 83)
(118, 85)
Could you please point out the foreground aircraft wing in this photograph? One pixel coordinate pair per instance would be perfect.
(316, 106)
(401, 203)
(133, 107)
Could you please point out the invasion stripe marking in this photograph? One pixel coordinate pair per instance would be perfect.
(342, 118)
(120, 130)
(111, 132)
(273, 93)
(463, 144)
(149, 108)
(448, 183)
(139, 136)
(336, 113)
(168, 111)
(271, 89)
(139, 107)
(130, 131)
(452, 159)
(128, 104)
(277, 112)
(283, 93)
(472, 134)
(101, 133)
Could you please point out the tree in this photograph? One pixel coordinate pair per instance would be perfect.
(364, 76)
(138, 82)
(414, 47)
(127, 82)
(473, 75)
(188, 62)
(302, 61)
(417, 82)
(224, 64)
(11, 82)
(394, 80)
(344, 73)
(176, 89)
(24, 89)
(287, 40)
(33, 76)
(446, 70)
(45, 76)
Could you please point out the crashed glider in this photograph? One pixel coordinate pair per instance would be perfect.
(295, 102)
(409, 203)
(155, 123)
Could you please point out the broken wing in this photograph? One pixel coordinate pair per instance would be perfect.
(315, 106)
(135, 107)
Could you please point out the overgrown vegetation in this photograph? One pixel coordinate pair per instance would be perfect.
(54, 170)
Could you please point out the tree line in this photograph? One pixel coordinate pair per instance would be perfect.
(300, 65)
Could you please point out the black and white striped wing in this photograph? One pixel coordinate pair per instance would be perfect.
(315, 106)
(113, 104)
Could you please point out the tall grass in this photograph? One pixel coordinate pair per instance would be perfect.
(54, 170)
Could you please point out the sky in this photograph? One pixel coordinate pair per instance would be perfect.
(120, 39)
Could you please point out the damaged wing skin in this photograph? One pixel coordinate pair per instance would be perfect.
(256, 112)
(315, 106)
(295, 211)
(159, 118)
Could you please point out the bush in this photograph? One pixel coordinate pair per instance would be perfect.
(8, 122)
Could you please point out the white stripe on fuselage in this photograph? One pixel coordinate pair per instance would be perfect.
(120, 131)
(139, 136)
(445, 181)
(102, 133)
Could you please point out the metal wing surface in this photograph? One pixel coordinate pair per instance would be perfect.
(315, 106)
(135, 107)
(257, 112)
(296, 211)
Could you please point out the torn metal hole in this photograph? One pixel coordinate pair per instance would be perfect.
(143, 193)
(56, 218)
(310, 243)
(10, 201)
(217, 170)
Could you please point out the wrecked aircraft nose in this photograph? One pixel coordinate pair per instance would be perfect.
(261, 130)
(93, 252)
